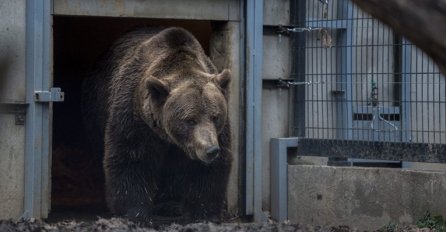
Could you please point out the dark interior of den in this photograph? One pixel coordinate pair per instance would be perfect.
(79, 42)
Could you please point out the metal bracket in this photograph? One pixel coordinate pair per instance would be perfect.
(324, 2)
(338, 92)
(286, 30)
(288, 83)
(54, 95)
(18, 109)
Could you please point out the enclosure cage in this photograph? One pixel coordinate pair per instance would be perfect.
(362, 90)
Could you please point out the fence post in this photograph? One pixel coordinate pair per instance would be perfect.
(279, 176)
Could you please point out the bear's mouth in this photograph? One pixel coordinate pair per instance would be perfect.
(208, 156)
(202, 156)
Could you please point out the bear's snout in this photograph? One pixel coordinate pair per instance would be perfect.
(213, 152)
(204, 143)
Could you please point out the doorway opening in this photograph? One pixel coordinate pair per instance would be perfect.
(77, 179)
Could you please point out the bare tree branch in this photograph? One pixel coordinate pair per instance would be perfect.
(421, 21)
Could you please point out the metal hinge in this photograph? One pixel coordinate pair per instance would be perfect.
(54, 95)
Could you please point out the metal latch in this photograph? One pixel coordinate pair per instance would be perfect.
(54, 95)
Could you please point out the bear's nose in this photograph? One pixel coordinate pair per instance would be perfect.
(213, 151)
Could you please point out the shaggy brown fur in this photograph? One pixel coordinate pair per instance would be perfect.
(159, 108)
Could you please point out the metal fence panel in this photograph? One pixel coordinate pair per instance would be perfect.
(366, 84)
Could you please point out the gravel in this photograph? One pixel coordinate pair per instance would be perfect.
(120, 224)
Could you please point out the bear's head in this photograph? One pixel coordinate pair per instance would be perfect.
(189, 111)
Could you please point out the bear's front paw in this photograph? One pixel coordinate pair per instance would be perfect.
(140, 214)
(161, 213)
(168, 209)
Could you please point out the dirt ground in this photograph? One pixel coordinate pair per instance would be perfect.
(119, 224)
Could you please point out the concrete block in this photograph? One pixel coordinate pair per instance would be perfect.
(276, 57)
(276, 12)
(363, 198)
(275, 124)
(12, 140)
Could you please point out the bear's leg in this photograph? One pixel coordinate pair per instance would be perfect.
(129, 190)
(207, 197)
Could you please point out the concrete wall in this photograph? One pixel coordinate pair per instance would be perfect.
(224, 52)
(276, 12)
(276, 103)
(363, 198)
(12, 138)
(196, 9)
(12, 51)
(12, 90)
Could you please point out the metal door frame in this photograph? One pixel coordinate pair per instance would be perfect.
(39, 114)
(253, 50)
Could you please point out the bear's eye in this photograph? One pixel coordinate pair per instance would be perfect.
(214, 118)
(190, 122)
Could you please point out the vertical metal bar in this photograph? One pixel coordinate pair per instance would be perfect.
(38, 45)
(406, 56)
(249, 123)
(243, 165)
(47, 83)
(317, 73)
(297, 17)
(438, 115)
(254, 59)
(311, 72)
(344, 64)
(366, 132)
(427, 102)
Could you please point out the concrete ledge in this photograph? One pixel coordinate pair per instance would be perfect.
(363, 198)
(174, 9)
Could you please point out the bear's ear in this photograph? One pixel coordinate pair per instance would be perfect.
(223, 79)
(157, 88)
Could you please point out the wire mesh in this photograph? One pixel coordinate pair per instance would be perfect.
(368, 83)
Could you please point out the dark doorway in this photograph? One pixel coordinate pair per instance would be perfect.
(77, 174)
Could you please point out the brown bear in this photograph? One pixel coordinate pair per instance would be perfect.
(160, 109)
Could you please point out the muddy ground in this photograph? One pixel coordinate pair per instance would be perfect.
(119, 224)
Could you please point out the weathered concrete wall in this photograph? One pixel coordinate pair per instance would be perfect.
(276, 12)
(12, 90)
(275, 121)
(12, 139)
(224, 52)
(363, 198)
(12, 51)
(276, 102)
(180, 9)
